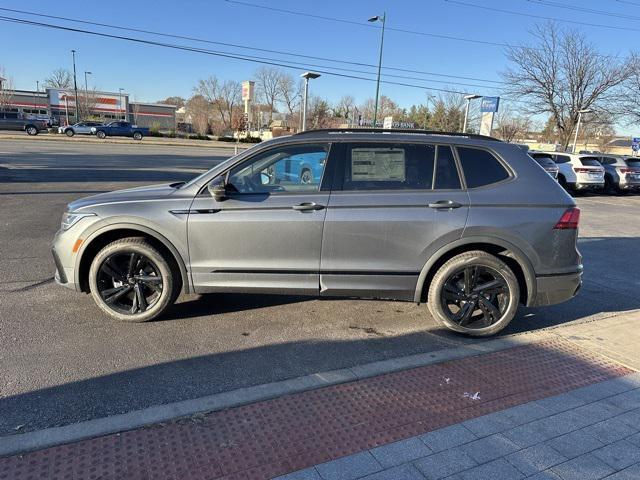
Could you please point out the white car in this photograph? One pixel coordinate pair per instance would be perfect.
(80, 128)
(578, 172)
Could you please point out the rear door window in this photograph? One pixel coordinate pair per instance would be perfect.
(590, 162)
(563, 158)
(446, 174)
(481, 167)
(390, 166)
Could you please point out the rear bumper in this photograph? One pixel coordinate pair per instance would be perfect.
(553, 289)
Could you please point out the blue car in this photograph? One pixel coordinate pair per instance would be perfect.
(305, 168)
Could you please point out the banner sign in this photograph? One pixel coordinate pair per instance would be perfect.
(489, 104)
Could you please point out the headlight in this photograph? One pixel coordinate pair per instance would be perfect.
(70, 219)
(93, 129)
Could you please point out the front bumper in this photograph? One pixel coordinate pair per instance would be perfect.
(554, 289)
(64, 259)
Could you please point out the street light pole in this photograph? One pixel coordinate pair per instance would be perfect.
(86, 89)
(468, 98)
(75, 84)
(307, 76)
(383, 19)
(575, 138)
(36, 94)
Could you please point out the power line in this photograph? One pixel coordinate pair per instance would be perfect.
(542, 17)
(629, 3)
(585, 10)
(213, 53)
(279, 52)
(367, 25)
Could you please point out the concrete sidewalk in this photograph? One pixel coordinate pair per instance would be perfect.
(561, 405)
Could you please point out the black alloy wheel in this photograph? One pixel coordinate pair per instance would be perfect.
(129, 283)
(475, 297)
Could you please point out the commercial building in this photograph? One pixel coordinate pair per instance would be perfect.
(60, 105)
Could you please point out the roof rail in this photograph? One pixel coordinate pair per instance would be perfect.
(398, 130)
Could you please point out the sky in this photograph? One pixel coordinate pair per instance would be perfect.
(152, 73)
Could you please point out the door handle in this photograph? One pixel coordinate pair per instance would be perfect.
(445, 204)
(303, 207)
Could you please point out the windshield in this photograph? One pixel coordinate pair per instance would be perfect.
(590, 162)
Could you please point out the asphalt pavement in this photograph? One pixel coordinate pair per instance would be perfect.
(62, 361)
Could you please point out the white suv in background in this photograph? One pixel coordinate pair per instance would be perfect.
(577, 172)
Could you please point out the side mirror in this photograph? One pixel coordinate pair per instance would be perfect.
(218, 189)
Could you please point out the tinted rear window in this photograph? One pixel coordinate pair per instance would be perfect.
(544, 160)
(562, 158)
(590, 162)
(480, 167)
(634, 163)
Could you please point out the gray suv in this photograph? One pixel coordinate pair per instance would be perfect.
(469, 224)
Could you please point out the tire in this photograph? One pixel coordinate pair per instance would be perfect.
(31, 130)
(111, 276)
(101, 135)
(69, 132)
(488, 321)
(306, 176)
(137, 135)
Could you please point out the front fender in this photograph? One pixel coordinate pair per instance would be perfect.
(174, 245)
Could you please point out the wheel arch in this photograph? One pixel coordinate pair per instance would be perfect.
(99, 239)
(506, 251)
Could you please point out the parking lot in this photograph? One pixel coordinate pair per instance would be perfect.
(62, 361)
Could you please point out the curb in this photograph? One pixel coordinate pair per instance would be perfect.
(20, 443)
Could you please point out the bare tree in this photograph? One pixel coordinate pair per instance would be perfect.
(345, 108)
(177, 101)
(59, 78)
(290, 93)
(6, 90)
(87, 103)
(198, 113)
(562, 74)
(630, 95)
(510, 127)
(268, 81)
(223, 97)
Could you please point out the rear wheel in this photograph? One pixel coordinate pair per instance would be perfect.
(306, 177)
(474, 293)
(137, 136)
(132, 281)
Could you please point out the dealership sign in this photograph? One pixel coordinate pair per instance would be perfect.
(489, 104)
(248, 91)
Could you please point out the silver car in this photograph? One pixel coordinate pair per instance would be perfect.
(453, 220)
(621, 173)
(80, 128)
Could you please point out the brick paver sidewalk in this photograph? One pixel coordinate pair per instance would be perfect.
(351, 430)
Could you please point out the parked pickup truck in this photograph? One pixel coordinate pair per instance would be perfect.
(120, 129)
(13, 121)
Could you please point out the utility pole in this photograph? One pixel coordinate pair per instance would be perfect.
(75, 84)
(86, 90)
(383, 19)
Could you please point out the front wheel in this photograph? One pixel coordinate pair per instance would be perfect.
(137, 136)
(132, 281)
(474, 293)
(31, 130)
(69, 132)
(101, 135)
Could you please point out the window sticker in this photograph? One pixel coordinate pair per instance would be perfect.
(378, 165)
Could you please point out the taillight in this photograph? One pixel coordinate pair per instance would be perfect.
(629, 170)
(587, 170)
(569, 219)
